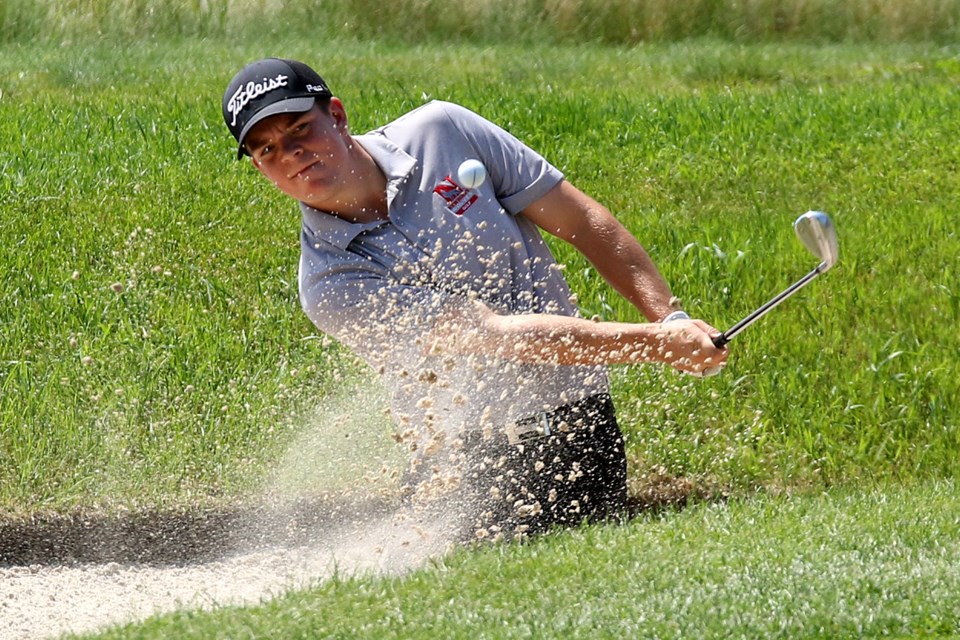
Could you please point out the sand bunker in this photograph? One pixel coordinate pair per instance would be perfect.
(79, 574)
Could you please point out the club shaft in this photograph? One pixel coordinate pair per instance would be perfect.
(730, 333)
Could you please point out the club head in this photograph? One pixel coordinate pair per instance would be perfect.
(817, 234)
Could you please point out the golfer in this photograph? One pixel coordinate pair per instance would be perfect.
(498, 387)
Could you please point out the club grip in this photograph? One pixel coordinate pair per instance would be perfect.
(720, 341)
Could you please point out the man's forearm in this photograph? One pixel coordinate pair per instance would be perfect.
(629, 269)
(570, 341)
(563, 340)
(621, 260)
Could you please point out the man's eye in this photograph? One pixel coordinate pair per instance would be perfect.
(302, 127)
(265, 151)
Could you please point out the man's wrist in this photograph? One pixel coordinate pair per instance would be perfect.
(679, 314)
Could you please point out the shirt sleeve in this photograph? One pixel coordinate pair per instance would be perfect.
(519, 174)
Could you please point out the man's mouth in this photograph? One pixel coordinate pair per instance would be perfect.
(300, 172)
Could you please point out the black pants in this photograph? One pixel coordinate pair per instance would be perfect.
(573, 469)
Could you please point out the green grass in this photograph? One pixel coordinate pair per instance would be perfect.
(489, 21)
(201, 381)
(881, 563)
(190, 383)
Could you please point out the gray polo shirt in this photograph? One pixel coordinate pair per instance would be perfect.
(379, 287)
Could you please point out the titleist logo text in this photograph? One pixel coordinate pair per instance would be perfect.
(252, 91)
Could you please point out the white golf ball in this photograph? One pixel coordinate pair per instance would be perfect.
(471, 174)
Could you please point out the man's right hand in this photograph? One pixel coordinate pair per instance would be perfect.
(687, 345)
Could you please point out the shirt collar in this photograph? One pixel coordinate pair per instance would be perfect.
(396, 164)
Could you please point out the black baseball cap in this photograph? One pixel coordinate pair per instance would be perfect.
(268, 87)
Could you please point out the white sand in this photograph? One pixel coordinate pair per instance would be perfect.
(46, 601)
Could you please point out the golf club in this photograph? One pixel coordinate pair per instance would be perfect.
(817, 234)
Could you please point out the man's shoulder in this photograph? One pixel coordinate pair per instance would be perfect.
(436, 113)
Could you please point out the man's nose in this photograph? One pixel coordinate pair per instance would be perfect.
(291, 149)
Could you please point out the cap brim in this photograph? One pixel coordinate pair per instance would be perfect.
(290, 105)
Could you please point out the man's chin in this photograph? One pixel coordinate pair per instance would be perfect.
(311, 193)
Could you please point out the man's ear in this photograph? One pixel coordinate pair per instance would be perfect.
(339, 114)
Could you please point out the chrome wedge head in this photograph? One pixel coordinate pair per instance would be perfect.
(816, 232)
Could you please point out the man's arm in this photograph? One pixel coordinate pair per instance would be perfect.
(571, 215)
(471, 327)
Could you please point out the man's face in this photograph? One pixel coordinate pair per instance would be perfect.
(305, 154)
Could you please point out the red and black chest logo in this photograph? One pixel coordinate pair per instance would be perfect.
(458, 199)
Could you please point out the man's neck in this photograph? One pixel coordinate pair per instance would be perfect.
(363, 214)
(366, 201)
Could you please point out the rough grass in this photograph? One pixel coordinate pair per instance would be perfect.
(153, 350)
(491, 21)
